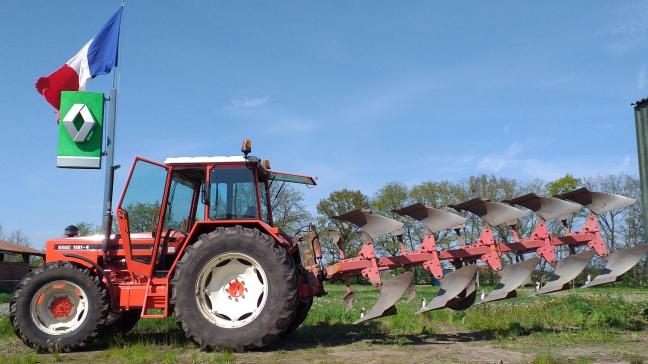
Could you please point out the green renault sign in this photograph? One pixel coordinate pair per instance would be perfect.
(80, 130)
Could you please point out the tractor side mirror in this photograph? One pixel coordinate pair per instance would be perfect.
(204, 193)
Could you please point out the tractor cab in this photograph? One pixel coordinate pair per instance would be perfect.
(163, 203)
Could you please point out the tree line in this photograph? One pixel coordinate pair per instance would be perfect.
(16, 236)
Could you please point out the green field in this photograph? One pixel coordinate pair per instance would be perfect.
(5, 296)
(524, 329)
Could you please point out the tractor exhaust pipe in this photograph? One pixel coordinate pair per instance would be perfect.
(110, 169)
(108, 217)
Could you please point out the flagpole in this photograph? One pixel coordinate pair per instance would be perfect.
(109, 170)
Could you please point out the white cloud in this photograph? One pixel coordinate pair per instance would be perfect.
(512, 163)
(494, 162)
(244, 103)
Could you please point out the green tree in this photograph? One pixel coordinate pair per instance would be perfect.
(337, 203)
(288, 210)
(563, 184)
(439, 195)
(392, 196)
(141, 214)
(87, 228)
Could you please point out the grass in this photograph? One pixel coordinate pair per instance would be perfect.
(6, 331)
(137, 354)
(538, 323)
(25, 358)
(571, 313)
(590, 317)
(5, 295)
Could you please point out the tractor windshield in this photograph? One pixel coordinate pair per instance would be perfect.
(233, 193)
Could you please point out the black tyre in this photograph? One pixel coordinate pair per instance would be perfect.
(234, 288)
(300, 314)
(303, 306)
(59, 307)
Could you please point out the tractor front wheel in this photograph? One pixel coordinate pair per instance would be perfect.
(59, 307)
(236, 288)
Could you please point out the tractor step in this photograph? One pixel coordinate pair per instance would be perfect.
(156, 299)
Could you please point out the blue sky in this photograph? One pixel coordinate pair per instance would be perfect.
(357, 93)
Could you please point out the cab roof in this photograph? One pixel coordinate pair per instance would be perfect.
(209, 160)
(272, 175)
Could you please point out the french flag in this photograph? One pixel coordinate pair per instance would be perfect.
(97, 57)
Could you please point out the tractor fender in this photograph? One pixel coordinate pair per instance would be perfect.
(86, 262)
(204, 227)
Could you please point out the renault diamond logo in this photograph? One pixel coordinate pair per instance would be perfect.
(79, 135)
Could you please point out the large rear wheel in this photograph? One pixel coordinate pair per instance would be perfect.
(59, 307)
(235, 287)
(303, 306)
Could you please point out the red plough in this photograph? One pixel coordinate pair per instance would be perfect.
(458, 288)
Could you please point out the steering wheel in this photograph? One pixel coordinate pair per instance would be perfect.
(165, 243)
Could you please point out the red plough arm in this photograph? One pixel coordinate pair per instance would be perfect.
(486, 249)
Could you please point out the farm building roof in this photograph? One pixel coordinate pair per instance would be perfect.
(7, 247)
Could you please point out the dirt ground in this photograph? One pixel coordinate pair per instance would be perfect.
(449, 345)
(454, 345)
(321, 340)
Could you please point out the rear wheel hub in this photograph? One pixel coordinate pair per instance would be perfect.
(231, 290)
(235, 289)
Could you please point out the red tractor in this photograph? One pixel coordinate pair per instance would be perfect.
(196, 239)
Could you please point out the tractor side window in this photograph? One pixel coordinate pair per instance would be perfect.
(143, 197)
(178, 210)
(233, 194)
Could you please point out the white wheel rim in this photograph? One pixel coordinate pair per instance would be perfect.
(231, 290)
(59, 307)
